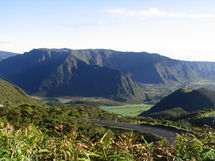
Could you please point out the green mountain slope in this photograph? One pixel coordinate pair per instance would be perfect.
(184, 100)
(12, 94)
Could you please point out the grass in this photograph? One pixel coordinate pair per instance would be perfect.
(105, 104)
(127, 109)
(31, 143)
(79, 100)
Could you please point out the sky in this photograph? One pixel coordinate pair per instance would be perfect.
(180, 29)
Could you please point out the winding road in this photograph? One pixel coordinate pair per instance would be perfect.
(169, 134)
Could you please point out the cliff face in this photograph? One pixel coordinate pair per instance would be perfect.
(60, 73)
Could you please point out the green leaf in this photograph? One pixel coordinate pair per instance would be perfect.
(4, 151)
(103, 137)
(43, 151)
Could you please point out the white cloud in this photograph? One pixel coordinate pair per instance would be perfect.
(152, 12)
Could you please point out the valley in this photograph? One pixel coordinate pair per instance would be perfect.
(99, 104)
(91, 80)
(112, 106)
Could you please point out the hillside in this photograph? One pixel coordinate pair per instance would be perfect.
(184, 100)
(12, 94)
(58, 73)
(5, 54)
(198, 118)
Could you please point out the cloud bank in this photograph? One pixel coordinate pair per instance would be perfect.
(152, 12)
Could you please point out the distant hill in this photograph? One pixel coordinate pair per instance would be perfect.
(58, 73)
(184, 100)
(12, 94)
(5, 54)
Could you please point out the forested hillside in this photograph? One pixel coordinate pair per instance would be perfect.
(12, 94)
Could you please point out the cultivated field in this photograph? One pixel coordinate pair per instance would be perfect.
(127, 109)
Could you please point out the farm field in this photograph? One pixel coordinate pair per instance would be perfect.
(78, 100)
(127, 109)
(105, 104)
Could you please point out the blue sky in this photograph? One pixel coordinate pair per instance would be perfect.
(179, 29)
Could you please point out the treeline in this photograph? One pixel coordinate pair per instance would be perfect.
(50, 117)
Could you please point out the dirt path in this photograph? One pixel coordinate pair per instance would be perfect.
(169, 134)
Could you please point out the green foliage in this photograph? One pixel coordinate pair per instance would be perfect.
(192, 148)
(170, 113)
(56, 118)
(38, 132)
(31, 143)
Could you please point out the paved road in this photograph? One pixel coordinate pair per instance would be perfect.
(169, 134)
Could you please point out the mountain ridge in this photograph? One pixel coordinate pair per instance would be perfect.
(50, 69)
(6, 54)
(58, 73)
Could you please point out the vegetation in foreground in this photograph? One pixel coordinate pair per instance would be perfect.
(35, 144)
(36, 132)
(40, 132)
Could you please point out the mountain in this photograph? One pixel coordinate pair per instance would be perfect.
(59, 73)
(184, 100)
(101, 73)
(5, 54)
(149, 68)
(11, 93)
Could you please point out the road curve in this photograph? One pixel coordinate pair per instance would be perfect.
(169, 134)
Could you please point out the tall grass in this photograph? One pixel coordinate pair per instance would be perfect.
(33, 143)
